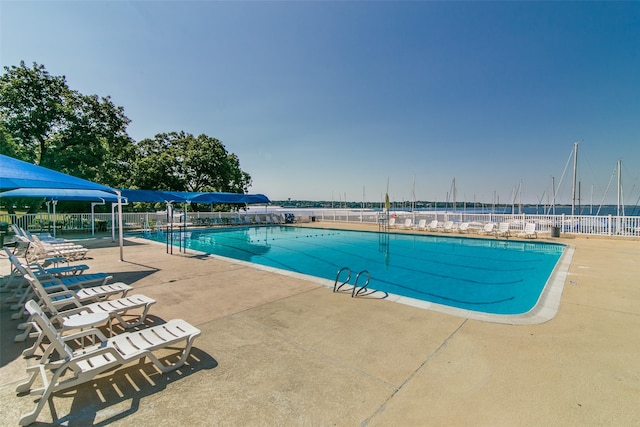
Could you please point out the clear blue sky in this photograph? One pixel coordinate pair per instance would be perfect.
(323, 99)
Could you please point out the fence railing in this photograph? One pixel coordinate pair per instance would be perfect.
(609, 225)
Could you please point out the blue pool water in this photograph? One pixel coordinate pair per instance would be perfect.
(484, 275)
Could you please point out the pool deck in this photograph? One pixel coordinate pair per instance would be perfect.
(277, 350)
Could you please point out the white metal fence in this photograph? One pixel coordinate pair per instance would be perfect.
(610, 225)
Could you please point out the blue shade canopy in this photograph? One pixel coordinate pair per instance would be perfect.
(62, 194)
(152, 196)
(15, 173)
(191, 197)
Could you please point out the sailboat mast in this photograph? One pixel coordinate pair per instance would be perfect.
(620, 201)
(575, 175)
(454, 195)
(520, 198)
(553, 190)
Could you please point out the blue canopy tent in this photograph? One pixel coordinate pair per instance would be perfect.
(192, 197)
(152, 196)
(228, 198)
(16, 174)
(61, 194)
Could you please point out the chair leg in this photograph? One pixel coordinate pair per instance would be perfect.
(24, 334)
(31, 417)
(25, 386)
(139, 322)
(32, 350)
(183, 358)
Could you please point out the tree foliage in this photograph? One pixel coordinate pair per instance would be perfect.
(180, 161)
(53, 126)
(43, 121)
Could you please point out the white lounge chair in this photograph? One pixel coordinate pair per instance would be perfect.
(392, 222)
(487, 229)
(39, 250)
(433, 225)
(529, 231)
(422, 225)
(75, 368)
(447, 227)
(48, 238)
(464, 227)
(408, 224)
(503, 230)
(14, 280)
(87, 288)
(58, 303)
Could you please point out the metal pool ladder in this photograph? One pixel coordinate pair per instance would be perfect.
(355, 291)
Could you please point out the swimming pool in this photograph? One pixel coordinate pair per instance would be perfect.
(482, 275)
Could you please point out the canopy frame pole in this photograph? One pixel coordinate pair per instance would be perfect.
(120, 232)
(93, 204)
(54, 203)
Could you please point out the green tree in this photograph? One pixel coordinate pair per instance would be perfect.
(53, 126)
(8, 146)
(179, 161)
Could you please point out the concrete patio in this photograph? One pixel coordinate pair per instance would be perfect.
(280, 351)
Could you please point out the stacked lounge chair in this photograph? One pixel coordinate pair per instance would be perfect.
(40, 250)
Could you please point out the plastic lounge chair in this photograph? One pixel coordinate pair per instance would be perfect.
(57, 303)
(529, 231)
(392, 222)
(422, 225)
(55, 244)
(57, 297)
(39, 250)
(110, 353)
(408, 224)
(20, 232)
(503, 230)
(45, 238)
(433, 225)
(447, 227)
(96, 288)
(487, 229)
(90, 287)
(16, 277)
(464, 227)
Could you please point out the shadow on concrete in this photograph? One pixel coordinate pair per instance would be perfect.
(115, 396)
(9, 350)
(131, 277)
